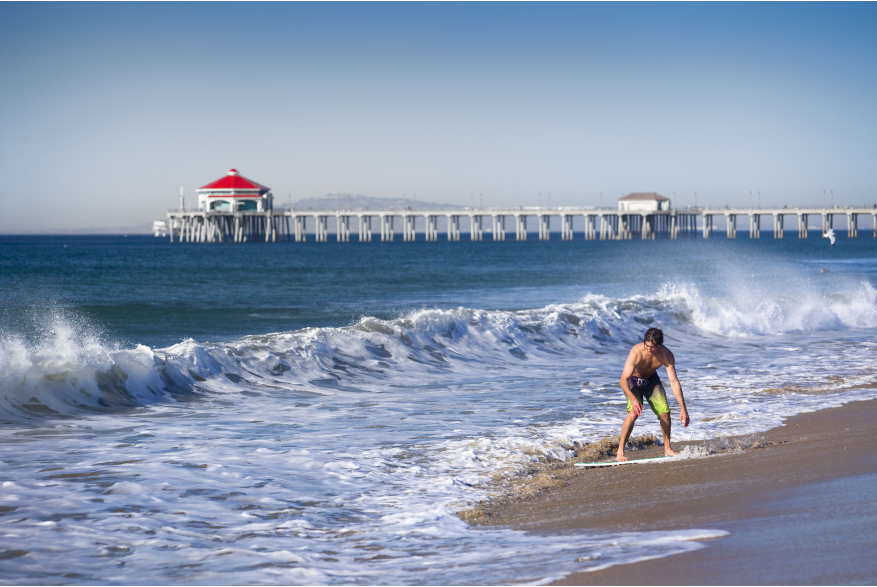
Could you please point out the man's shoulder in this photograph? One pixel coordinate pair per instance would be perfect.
(667, 355)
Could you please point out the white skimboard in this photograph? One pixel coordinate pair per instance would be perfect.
(629, 462)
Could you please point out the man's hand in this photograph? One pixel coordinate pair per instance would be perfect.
(636, 409)
(683, 417)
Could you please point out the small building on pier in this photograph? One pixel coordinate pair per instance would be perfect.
(234, 193)
(643, 202)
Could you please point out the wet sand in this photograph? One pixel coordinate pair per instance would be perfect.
(799, 502)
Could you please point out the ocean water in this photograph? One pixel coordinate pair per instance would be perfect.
(317, 413)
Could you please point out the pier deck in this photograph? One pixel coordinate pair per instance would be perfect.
(599, 223)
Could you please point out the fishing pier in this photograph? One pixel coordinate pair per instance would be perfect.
(239, 210)
(202, 226)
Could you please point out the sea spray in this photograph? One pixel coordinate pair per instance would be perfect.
(341, 453)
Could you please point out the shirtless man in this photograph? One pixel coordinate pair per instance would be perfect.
(640, 379)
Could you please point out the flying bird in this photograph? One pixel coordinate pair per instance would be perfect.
(829, 234)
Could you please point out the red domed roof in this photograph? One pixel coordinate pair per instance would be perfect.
(234, 181)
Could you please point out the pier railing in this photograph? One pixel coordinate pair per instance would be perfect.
(599, 223)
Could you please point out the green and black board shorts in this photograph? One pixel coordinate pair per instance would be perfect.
(653, 390)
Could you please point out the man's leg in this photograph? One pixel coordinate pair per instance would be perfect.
(665, 429)
(658, 402)
(626, 429)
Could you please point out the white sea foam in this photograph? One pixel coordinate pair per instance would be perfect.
(746, 313)
(340, 454)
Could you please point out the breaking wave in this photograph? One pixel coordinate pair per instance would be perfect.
(68, 369)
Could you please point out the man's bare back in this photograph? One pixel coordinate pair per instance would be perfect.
(639, 380)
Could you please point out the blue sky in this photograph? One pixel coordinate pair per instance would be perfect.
(108, 108)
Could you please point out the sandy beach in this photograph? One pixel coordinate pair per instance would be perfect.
(799, 503)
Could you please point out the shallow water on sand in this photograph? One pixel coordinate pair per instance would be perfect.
(316, 413)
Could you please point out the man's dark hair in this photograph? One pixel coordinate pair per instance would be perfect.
(654, 335)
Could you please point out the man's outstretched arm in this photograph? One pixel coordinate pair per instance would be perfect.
(677, 390)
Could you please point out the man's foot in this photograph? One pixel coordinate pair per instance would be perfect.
(621, 457)
(669, 452)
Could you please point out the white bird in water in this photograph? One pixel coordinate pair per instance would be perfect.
(829, 234)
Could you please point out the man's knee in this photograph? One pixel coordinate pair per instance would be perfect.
(665, 417)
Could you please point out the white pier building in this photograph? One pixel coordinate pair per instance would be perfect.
(237, 209)
(643, 202)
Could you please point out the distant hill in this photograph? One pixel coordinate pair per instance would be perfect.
(335, 201)
(137, 229)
